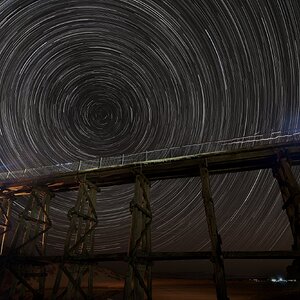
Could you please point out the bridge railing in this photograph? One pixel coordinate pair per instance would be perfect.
(102, 162)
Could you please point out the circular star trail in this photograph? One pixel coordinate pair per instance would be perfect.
(83, 79)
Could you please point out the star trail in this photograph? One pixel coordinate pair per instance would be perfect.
(88, 79)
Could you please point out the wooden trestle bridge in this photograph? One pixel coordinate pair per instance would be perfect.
(28, 243)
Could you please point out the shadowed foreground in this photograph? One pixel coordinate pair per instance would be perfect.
(108, 285)
(184, 289)
(237, 290)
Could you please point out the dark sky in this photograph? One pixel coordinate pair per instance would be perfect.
(83, 79)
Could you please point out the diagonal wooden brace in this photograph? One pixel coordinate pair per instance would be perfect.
(79, 243)
(290, 192)
(138, 284)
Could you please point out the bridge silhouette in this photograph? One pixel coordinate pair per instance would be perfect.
(185, 150)
(26, 257)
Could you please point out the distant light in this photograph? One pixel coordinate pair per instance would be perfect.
(279, 279)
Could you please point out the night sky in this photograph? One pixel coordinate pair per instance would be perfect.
(83, 79)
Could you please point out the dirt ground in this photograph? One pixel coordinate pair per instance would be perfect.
(237, 290)
(183, 289)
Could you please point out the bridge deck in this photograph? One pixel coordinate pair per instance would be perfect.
(259, 157)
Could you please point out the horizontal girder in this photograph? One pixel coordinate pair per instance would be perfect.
(255, 158)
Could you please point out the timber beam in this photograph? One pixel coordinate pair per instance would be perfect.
(5, 210)
(290, 191)
(254, 158)
(138, 283)
(79, 243)
(153, 256)
(29, 239)
(216, 252)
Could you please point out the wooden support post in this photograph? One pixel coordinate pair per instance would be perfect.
(290, 192)
(5, 206)
(138, 283)
(217, 258)
(30, 239)
(79, 243)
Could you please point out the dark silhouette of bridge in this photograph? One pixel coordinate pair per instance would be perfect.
(26, 256)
